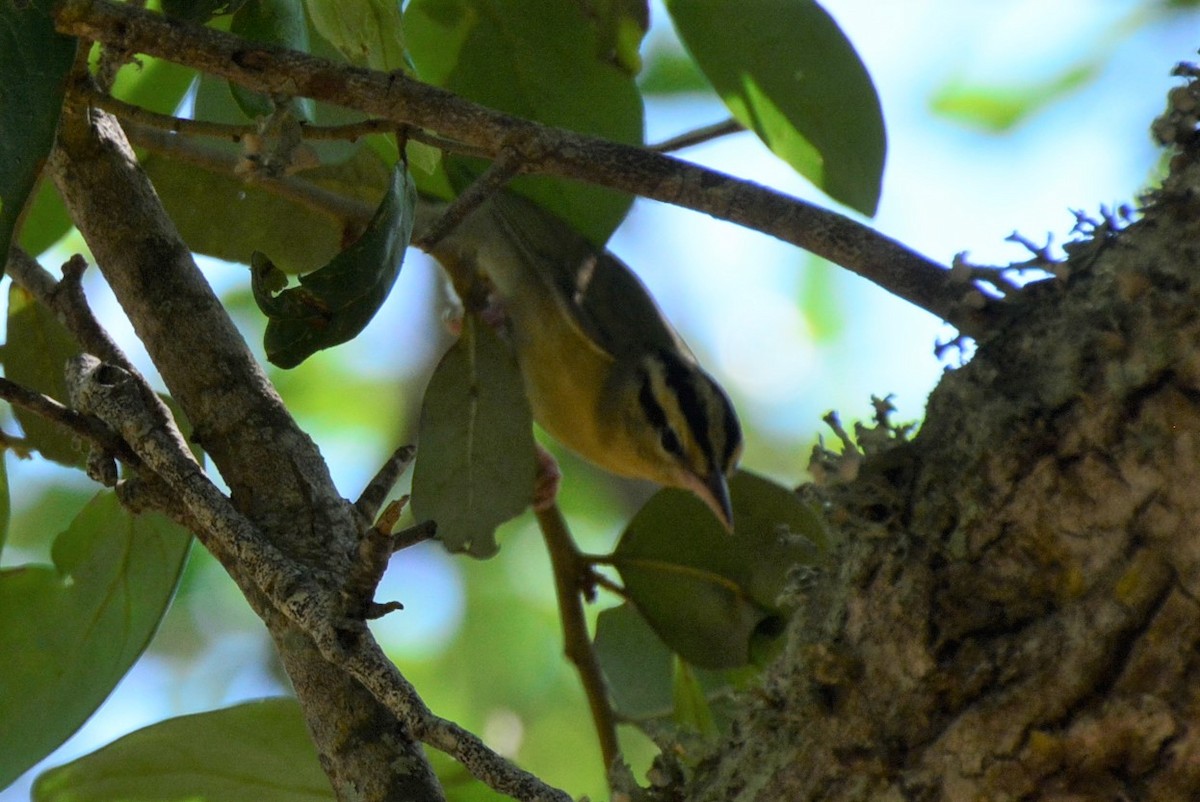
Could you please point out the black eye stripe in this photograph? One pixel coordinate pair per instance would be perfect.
(650, 406)
(682, 380)
(670, 442)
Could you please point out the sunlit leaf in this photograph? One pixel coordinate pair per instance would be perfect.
(711, 596)
(257, 750)
(333, 304)
(1000, 108)
(692, 710)
(35, 355)
(670, 72)
(272, 22)
(34, 61)
(620, 27)
(46, 220)
(70, 631)
(475, 452)
(788, 73)
(536, 59)
(367, 32)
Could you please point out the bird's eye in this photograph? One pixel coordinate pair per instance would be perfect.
(670, 442)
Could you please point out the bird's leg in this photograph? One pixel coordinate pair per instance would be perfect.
(546, 481)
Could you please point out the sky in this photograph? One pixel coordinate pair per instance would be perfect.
(948, 188)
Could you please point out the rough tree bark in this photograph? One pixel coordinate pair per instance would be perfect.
(1013, 614)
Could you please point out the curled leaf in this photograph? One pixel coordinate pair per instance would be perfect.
(333, 304)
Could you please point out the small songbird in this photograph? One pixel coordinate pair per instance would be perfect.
(606, 374)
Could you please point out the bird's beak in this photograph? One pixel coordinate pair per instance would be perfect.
(716, 496)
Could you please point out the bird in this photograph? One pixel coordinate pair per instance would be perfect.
(605, 373)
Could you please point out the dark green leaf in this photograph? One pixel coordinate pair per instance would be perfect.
(333, 304)
(536, 59)
(476, 458)
(708, 595)
(654, 688)
(69, 632)
(34, 62)
(37, 350)
(636, 663)
(788, 73)
(273, 22)
(258, 750)
(367, 32)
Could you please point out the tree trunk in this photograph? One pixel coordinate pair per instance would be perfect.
(1012, 613)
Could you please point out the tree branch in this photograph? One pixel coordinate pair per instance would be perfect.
(277, 478)
(552, 151)
(85, 426)
(115, 398)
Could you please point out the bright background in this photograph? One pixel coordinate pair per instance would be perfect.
(789, 336)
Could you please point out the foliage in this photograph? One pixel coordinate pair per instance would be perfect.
(701, 600)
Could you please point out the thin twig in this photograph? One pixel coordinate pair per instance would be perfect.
(698, 136)
(417, 533)
(506, 166)
(85, 426)
(132, 113)
(572, 579)
(310, 196)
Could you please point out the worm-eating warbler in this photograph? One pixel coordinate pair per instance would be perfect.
(605, 373)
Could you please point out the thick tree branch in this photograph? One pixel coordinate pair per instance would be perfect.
(277, 477)
(552, 151)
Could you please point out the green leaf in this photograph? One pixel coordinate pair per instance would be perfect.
(536, 59)
(257, 750)
(692, 710)
(69, 632)
(670, 71)
(5, 502)
(368, 33)
(711, 596)
(653, 688)
(46, 219)
(636, 663)
(34, 62)
(1000, 108)
(476, 458)
(788, 73)
(35, 354)
(333, 304)
(273, 22)
(620, 27)
(220, 215)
